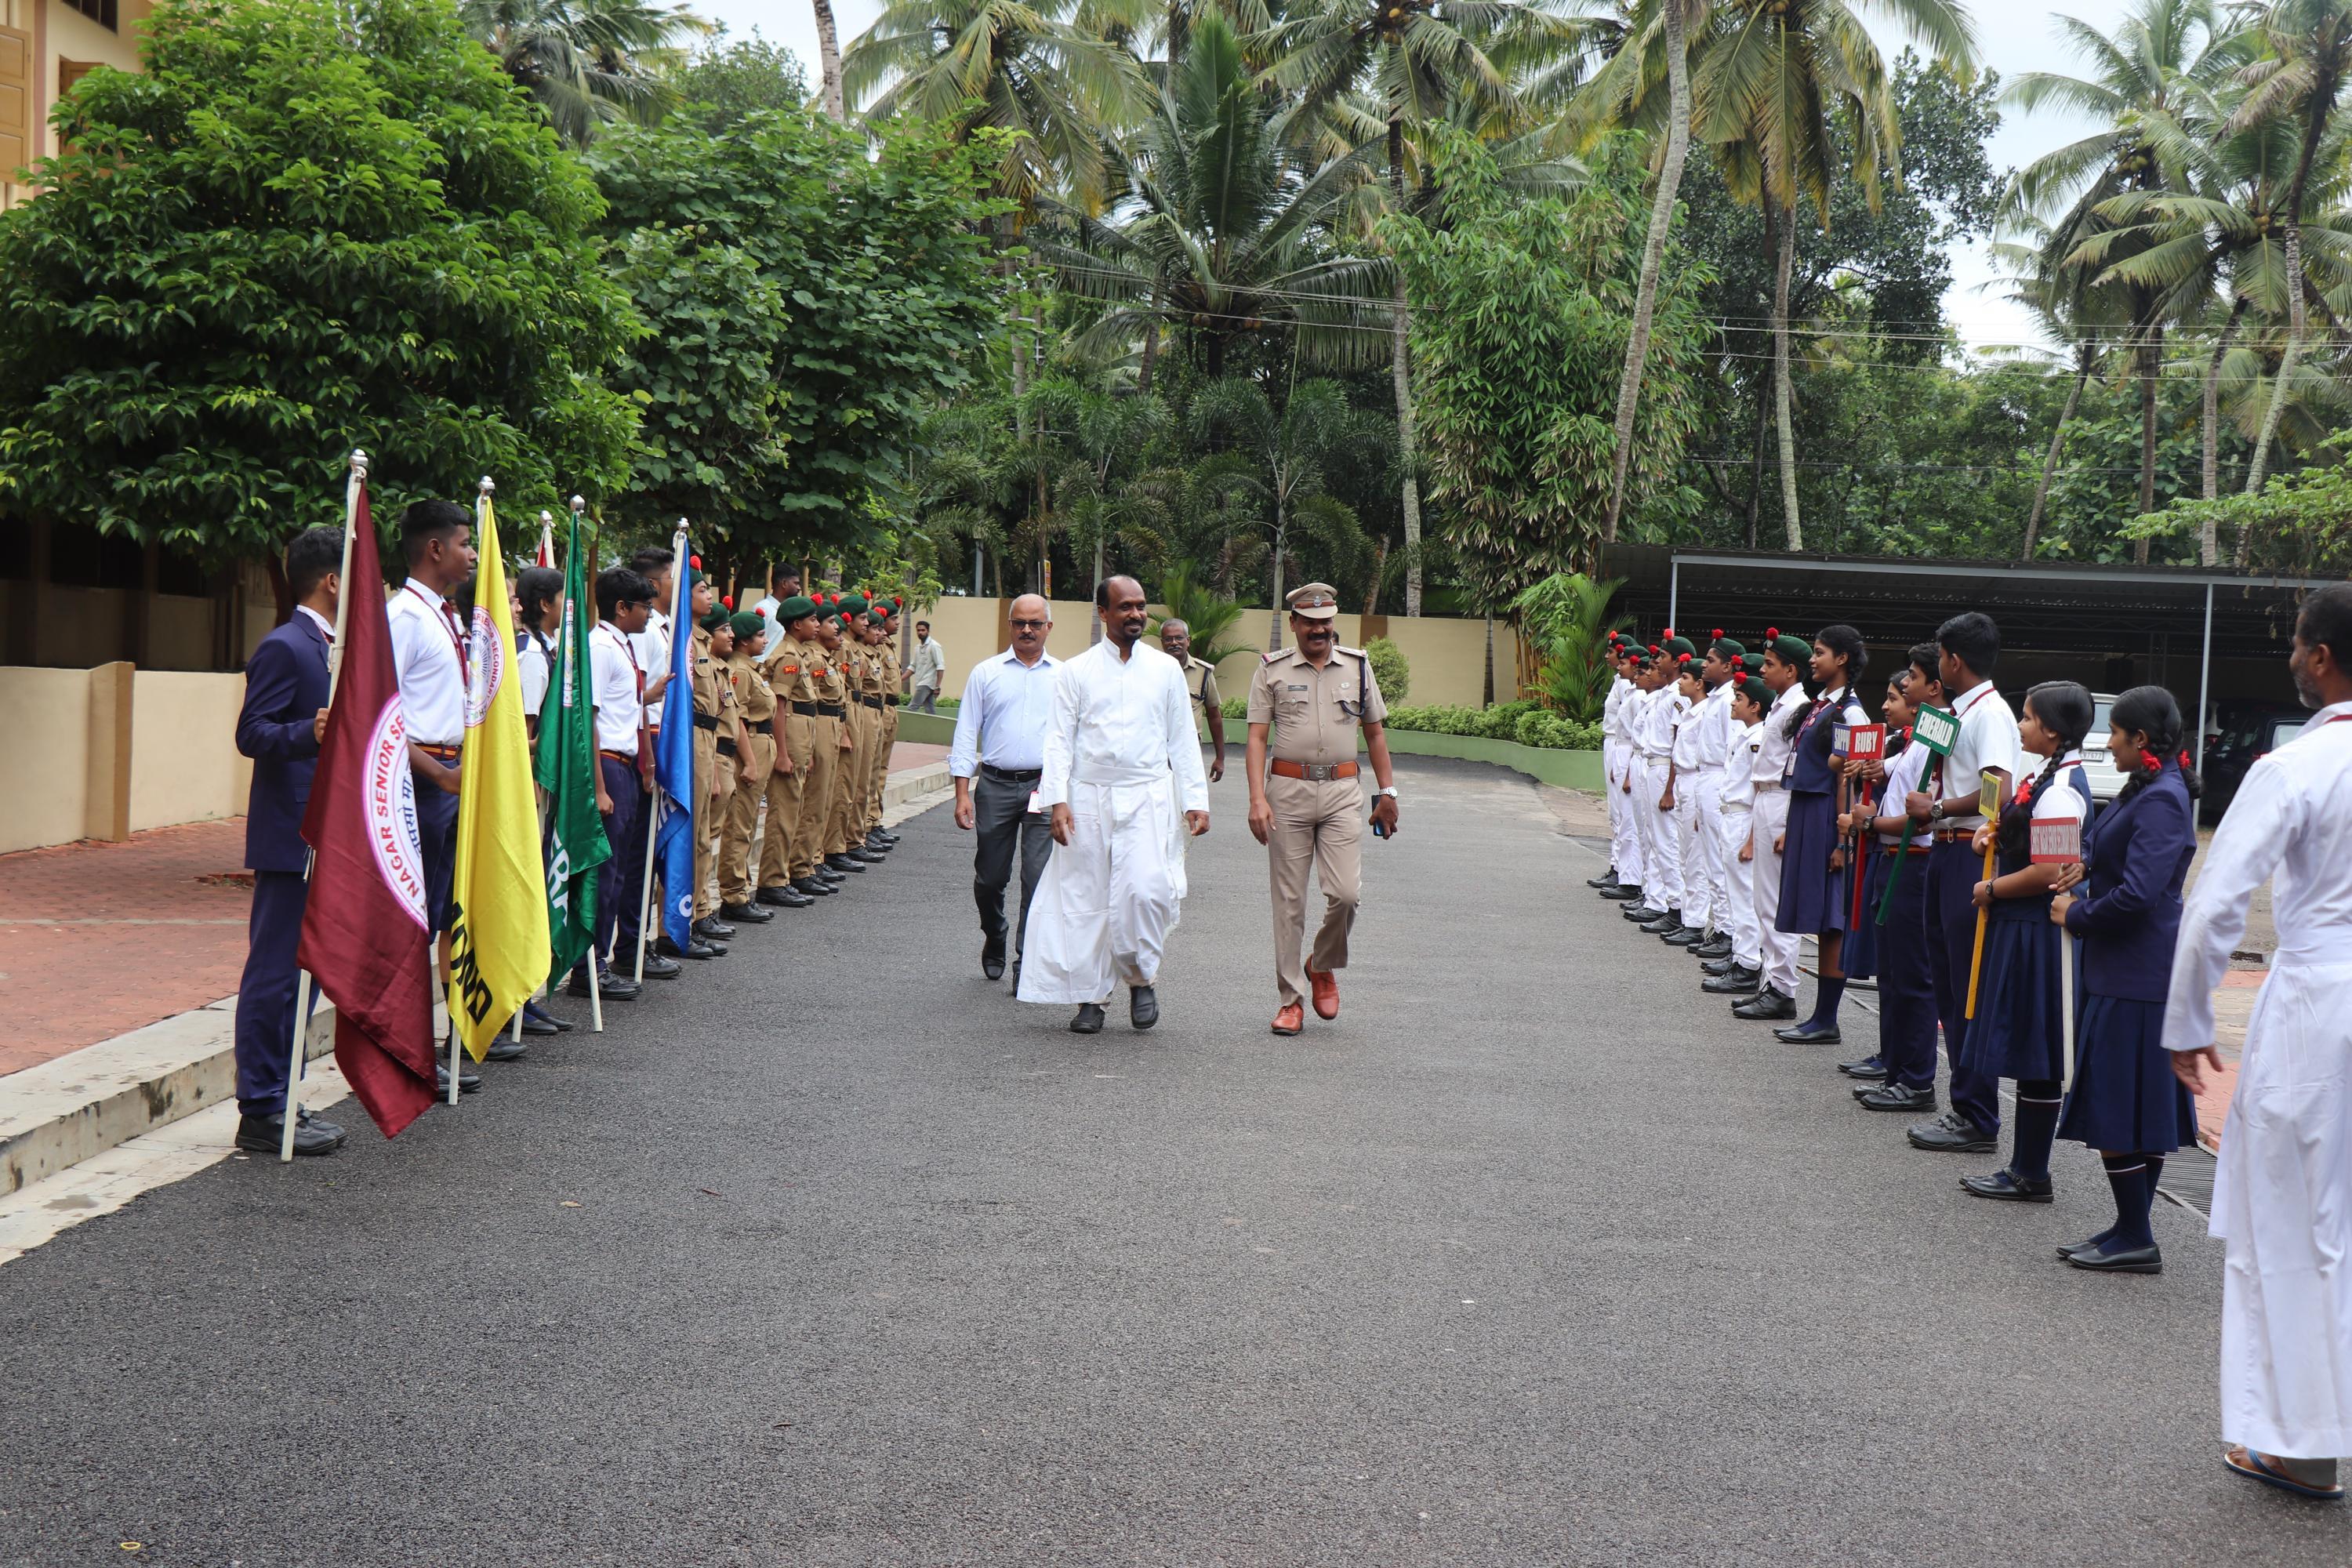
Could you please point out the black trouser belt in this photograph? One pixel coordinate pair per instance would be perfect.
(829, 710)
(810, 710)
(706, 720)
(893, 701)
(870, 701)
(1012, 775)
(726, 745)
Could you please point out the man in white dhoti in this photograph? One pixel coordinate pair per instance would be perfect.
(1120, 755)
(2282, 1194)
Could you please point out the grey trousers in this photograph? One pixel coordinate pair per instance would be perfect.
(1001, 817)
(925, 700)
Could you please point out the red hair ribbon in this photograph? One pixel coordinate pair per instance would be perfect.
(2153, 762)
(2184, 757)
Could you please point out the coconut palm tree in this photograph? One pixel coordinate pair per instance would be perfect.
(2301, 79)
(587, 61)
(2073, 307)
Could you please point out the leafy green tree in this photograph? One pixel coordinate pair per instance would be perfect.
(1208, 615)
(1566, 617)
(736, 76)
(297, 231)
(2301, 526)
(587, 62)
(774, 412)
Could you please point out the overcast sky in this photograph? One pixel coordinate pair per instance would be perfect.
(2014, 36)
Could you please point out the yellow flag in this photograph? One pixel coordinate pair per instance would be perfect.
(497, 933)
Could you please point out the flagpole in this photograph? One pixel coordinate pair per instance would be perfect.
(351, 488)
(678, 601)
(596, 965)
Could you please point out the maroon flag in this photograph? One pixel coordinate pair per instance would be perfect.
(364, 937)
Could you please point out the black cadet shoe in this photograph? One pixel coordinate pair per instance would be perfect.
(2008, 1187)
(1606, 879)
(876, 844)
(1893, 1097)
(846, 861)
(1766, 1003)
(1640, 913)
(1714, 947)
(696, 948)
(1685, 936)
(532, 1011)
(535, 1021)
(1143, 1006)
(811, 888)
(1735, 981)
(784, 896)
(1869, 1067)
(1951, 1134)
(747, 914)
(261, 1134)
(1721, 965)
(1089, 1020)
(660, 968)
(614, 987)
(1668, 919)
(1623, 892)
(714, 928)
(469, 1080)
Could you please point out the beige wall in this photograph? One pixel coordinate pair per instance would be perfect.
(185, 764)
(1448, 657)
(60, 32)
(45, 767)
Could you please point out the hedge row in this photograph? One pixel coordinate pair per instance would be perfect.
(1525, 721)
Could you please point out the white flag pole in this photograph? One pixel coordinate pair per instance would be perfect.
(352, 486)
(678, 601)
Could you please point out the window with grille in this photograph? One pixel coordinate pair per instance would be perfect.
(98, 11)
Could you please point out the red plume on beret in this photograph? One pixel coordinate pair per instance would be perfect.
(1670, 631)
(1716, 633)
(729, 601)
(1653, 647)
(695, 562)
(1682, 659)
(1771, 632)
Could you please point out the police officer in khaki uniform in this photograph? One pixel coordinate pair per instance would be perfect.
(1307, 707)
(1201, 681)
(758, 755)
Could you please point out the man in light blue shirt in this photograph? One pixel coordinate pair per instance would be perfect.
(997, 758)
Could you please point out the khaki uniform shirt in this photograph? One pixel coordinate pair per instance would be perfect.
(707, 683)
(757, 697)
(1317, 715)
(789, 670)
(831, 673)
(1201, 681)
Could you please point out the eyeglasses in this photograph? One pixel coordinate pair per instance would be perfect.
(1031, 626)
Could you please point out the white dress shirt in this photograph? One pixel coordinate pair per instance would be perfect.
(1904, 772)
(612, 670)
(1002, 720)
(428, 657)
(1655, 730)
(536, 671)
(1612, 709)
(1988, 739)
(1122, 722)
(652, 648)
(1740, 770)
(1715, 727)
(1776, 744)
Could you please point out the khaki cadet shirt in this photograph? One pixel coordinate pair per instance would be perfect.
(1201, 681)
(877, 684)
(758, 699)
(1317, 715)
(831, 673)
(706, 686)
(790, 670)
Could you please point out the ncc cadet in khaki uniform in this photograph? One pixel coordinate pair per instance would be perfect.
(714, 776)
(788, 672)
(865, 703)
(835, 742)
(1201, 681)
(757, 704)
(813, 733)
(894, 676)
(882, 664)
(1307, 706)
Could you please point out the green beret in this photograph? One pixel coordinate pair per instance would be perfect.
(878, 616)
(852, 605)
(1792, 649)
(1675, 647)
(799, 607)
(1727, 648)
(717, 618)
(1756, 691)
(746, 624)
(694, 579)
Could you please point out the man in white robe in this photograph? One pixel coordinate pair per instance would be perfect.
(2282, 1194)
(1120, 755)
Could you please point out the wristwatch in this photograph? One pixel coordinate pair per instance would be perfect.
(1390, 792)
(1935, 811)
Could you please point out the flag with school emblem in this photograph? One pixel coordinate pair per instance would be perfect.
(576, 845)
(497, 928)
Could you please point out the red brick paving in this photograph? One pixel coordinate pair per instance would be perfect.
(64, 987)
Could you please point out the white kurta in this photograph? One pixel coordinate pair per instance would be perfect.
(2282, 1195)
(1120, 751)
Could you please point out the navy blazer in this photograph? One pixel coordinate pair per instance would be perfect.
(285, 686)
(2128, 909)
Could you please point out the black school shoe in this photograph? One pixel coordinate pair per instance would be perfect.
(1767, 1003)
(846, 861)
(261, 1134)
(2008, 1186)
(1668, 919)
(1735, 981)
(1714, 949)
(748, 914)
(1684, 937)
(1951, 1134)
(1893, 1097)
(1623, 893)
(1089, 1020)
(1869, 1067)
(1606, 879)
(715, 928)
(811, 886)
(1640, 913)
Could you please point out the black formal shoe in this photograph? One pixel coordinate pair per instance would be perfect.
(1606, 879)
(1810, 1035)
(535, 1023)
(532, 1011)
(469, 1080)
(846, 861)
(1951, 1134)
(1089, 1020)
(824, 871)
(1687, 937)
(714, 928)
(331, 1129)
(861, 855)
(747, 914)
(876, 844)
(2130, 1261)
(784, 896)
(614, 987)
(660, 968)
(886, 835)
(1893, 1097)
(2008, 1187)
(695, 948)
(1869, 1067)
(1713, 950)
(1735, 981)
(1640, 913)
(1767, 1003)
(262, 1134)
(992, 956)
(809, 886)
(1720, 966)
(1669, 919)
(505, 1048)
(1143, 1006)
(2089, 1244)
(1623, 893)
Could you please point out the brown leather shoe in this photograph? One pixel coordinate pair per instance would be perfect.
(1290, 1020)
(1326, 993)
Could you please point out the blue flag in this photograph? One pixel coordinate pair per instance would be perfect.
(674, 761)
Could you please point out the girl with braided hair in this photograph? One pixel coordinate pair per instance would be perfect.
(2019, 1031)
(1812, 865)
(2124, 1100)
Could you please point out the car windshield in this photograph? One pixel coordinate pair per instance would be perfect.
(2095, 744)
(2286, 729)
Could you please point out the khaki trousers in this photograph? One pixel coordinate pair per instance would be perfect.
(1321, 824)
(848, 780)
(742, 820)
(780, 850)
(886, 737)
(706, 858)
(814, 841)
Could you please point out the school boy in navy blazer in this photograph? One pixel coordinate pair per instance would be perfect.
(285, 689)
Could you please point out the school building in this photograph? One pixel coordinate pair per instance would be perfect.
(46, 46)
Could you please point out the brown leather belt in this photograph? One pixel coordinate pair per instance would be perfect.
(445, 753)
(629, 757)
(1955, 835)
(1319, 772)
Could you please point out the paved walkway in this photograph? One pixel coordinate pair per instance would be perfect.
(835, 1255)
(100, 939)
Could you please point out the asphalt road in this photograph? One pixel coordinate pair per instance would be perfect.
(837, 1255)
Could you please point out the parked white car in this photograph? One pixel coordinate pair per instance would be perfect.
(2107, 780)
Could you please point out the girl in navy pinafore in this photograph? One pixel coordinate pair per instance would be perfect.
(2019, 1030)
(1813, 890)
(2124, 1101)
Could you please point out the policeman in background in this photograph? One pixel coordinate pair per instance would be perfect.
(1201, 681)
(1307, 707)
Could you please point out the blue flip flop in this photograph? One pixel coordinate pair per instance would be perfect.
(2253, 1466)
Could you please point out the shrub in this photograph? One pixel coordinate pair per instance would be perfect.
(1388, 668)
(1524, 722)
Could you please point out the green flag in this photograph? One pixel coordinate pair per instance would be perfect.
(566, 770)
